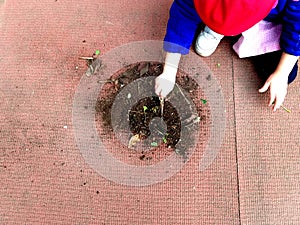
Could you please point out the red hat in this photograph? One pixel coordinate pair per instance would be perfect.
(232, 17)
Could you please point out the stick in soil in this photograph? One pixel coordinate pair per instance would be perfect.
(162, 101)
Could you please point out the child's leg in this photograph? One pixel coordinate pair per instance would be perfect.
(207, 42)
(266, 64)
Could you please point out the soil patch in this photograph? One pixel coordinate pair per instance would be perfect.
(149, 126)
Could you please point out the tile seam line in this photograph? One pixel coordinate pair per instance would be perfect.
(235, 140)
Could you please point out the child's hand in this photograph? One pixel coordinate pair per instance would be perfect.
(277, 83)
(165, 82)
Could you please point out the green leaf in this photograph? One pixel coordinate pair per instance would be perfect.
(97, 52)
(165, 140)
(203, 101)
(145, 108)
(154, 144)
(155, 109)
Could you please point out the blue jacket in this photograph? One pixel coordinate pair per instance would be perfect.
(184, 22)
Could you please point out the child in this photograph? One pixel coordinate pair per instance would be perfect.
(230, 18)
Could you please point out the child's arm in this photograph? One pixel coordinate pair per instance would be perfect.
(290, 44)
(165, 82)
(278, 81)
(182, 25)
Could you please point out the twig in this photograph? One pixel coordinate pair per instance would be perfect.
(162, 101)
(182, 94)
(287, 110)
(197, 120)
(132, 111)
(86, 58)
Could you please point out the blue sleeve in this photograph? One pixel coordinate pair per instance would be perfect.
(182, 25)
(290, 36)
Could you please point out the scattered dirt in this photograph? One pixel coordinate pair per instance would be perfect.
(94, 63)
(167, 127)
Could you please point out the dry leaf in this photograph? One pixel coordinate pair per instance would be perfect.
(133, 140)
(94, 66)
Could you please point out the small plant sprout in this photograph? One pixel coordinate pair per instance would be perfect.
(165, 139)
(218, 64)
(155, 109)
(203, 101)
(97, 52)
(145, 108)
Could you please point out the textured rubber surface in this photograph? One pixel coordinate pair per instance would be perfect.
(45, 179)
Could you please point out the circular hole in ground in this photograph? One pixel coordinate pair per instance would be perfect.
(143, 112)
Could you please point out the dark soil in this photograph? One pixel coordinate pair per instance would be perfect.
(147, 109)
(139, 122)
